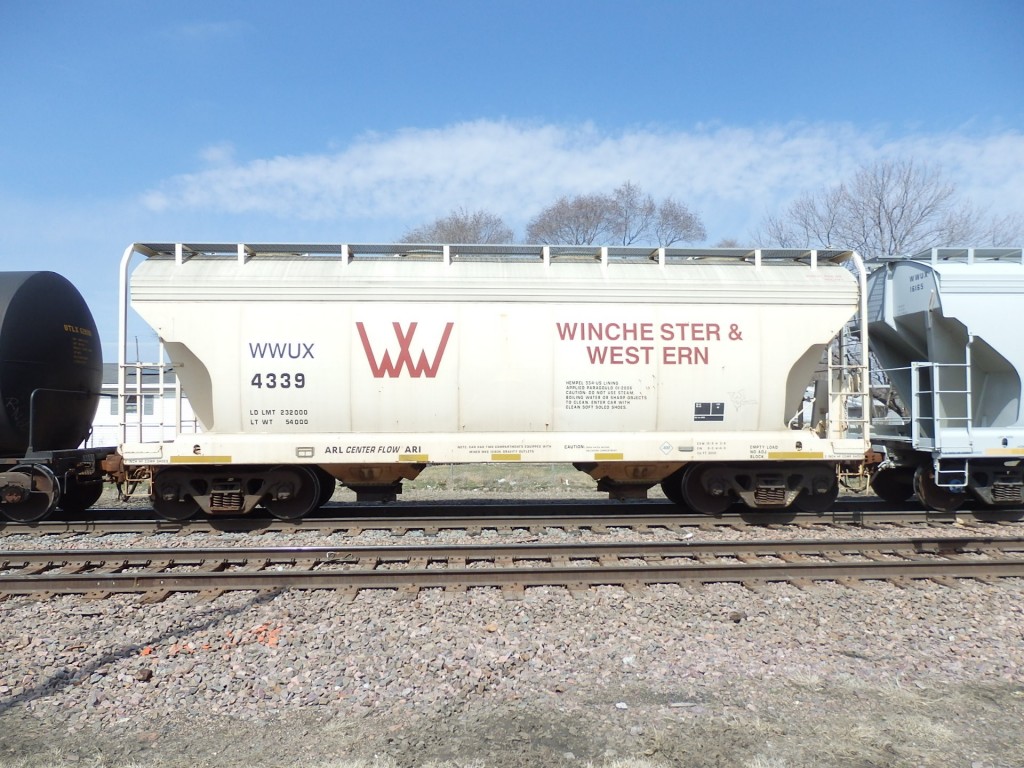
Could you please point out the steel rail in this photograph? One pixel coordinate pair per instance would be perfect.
(526, 551)
(936, 558)
(433, 519)
(518, 577)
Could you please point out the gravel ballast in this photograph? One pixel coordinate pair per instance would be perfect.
(721, 675)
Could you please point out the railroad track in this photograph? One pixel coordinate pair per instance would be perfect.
(534, 516)
(513, 568)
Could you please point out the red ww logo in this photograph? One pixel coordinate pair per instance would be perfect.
(393, 368)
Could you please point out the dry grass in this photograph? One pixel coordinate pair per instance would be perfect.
(502, 477)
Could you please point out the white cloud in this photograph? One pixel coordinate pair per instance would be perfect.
(219, 155)
(731, 176)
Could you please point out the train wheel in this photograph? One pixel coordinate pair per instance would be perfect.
(703, 492)
(817, 502)
(893, 485)
(932, 496)
(672, 487)
(78, 497)
(169, 501)
(327, 485)
(295, 496)
(40, 501)
(177, 511)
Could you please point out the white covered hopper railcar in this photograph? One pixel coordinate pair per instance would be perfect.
(365, 363)
(943, 328)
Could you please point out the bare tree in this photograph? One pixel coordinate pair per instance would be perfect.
(1005, 230)
(628, 216)
(810, 220)
(631, 214)
(676, 224)
(889, 207)
(462, 226)
(582, 220)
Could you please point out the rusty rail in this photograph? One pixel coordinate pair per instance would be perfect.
(535, 516)
(510, 567)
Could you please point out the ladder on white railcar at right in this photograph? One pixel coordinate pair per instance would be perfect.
(941, 418)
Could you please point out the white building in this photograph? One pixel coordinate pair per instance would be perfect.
(163, 408)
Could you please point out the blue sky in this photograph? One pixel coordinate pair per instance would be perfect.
(333, 122)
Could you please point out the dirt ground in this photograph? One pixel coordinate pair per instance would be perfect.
(805, 723)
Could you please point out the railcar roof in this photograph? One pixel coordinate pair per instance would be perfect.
(982, 271)
(486, 252)
(939, 258)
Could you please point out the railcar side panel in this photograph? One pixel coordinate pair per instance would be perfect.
(471, 361)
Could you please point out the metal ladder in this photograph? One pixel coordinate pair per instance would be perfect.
(847, 378)
(941, 418)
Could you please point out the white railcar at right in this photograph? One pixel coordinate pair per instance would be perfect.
(944, 329)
